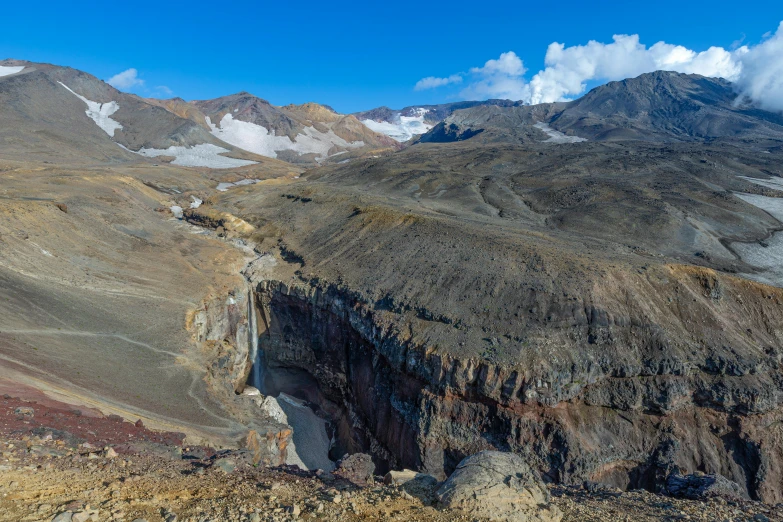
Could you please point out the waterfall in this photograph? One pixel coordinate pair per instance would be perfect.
(255, 357)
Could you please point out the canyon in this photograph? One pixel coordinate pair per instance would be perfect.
(598, 299)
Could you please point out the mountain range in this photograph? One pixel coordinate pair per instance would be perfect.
(236, 130)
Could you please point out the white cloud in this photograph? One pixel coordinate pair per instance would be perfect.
(164, 90)
(757, 71)
(430, 82)
(761, 79)
(508, 64)
(126, 80)
(501, 78)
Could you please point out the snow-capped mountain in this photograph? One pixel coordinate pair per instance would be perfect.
(308, 133)
(59, 111)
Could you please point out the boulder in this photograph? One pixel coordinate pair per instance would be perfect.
(398, 478)
(357, 468)
(253, 444)
(699, 486)
(498, 486)
(24, 411)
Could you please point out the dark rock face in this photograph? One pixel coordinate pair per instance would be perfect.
(449, 132)
(411, 407)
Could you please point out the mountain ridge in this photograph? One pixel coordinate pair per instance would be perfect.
(658, 106)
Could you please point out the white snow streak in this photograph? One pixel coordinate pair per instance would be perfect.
(100, 113)
(6, 70)
(222, 187)
(258, 139)
(557, 136)
(203, 155)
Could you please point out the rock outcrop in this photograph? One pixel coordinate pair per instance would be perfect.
(500, 487)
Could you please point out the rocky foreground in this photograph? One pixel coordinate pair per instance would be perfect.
(58, 463)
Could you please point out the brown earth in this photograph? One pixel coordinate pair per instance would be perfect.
(48, 468)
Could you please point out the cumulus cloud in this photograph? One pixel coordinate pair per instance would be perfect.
(757, 71)
(509, 64)
(501, 78)
(126, 80)
(761, 79)
(431, 82)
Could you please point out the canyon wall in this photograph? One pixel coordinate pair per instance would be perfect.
(628, 423)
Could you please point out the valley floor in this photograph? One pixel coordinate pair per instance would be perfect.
(59, 463)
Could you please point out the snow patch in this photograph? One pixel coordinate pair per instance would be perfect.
(6, 70)
(258, 139)
(402, 128)
(203, 155)
(177, 211)
(196, 202)
(557, 136)
(222, 187)
(100, 113)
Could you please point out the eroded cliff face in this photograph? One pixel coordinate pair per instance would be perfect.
(224, 328)
(655, 402)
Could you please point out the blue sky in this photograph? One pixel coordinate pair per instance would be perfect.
(352, 56)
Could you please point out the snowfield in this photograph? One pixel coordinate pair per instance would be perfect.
(203, 155)
(557, 136)
(6, 70)
(765, 256)
(404, 128)
(100, 113)
(258, 139)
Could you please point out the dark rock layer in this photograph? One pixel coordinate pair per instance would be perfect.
(412, 408)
